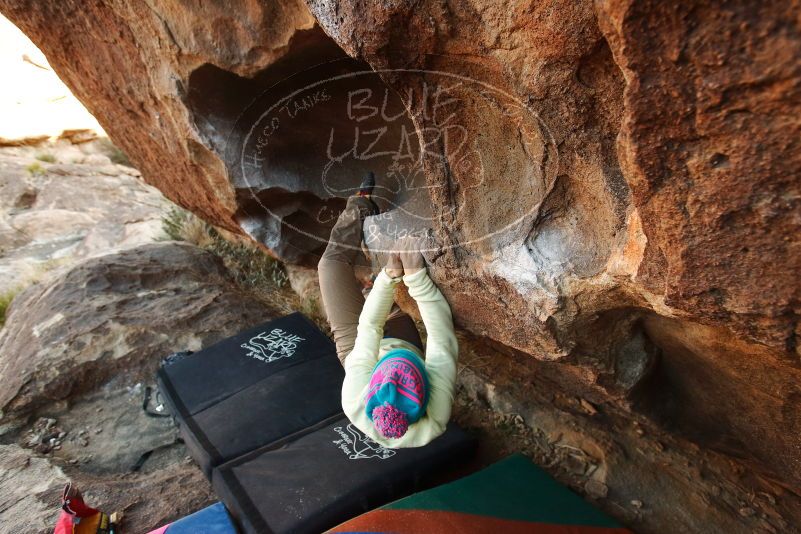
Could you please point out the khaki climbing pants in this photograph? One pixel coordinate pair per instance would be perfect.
(343, 296)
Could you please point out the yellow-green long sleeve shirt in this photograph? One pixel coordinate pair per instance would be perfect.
(440, 358)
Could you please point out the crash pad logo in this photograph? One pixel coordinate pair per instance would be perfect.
(357, 446)
(272, 345)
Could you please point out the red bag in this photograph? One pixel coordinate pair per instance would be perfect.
(78, 518)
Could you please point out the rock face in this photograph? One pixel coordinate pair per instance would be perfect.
(119, 313)
(611, 186)
(73, 204)
(29, 487)
(76, 353)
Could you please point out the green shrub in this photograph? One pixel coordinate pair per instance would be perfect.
(35, 169)
(174, 221)
(252, 267)
(47, 158)
(5, 302)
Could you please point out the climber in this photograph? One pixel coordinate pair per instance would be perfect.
(390, 393)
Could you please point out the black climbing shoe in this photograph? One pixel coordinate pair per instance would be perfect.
(369, 209)
(367, 185)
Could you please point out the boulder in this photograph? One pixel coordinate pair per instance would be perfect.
(30, 491)
(60, 203)
(76, 354)
(607, 186)
(115, 317)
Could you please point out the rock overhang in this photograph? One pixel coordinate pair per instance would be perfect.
(662, 215)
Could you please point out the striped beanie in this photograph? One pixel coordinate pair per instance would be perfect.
(398, 392)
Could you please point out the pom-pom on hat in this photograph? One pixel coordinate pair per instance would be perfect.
(398, 393)
(389, 421)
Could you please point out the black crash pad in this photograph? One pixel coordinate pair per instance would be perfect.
(330, 473)
(261, 414)
(252, 389)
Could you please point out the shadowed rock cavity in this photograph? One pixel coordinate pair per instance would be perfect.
(298, 137)
(704, 389)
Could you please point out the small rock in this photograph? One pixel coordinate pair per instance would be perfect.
(575, 465)
(746, 511)
(768, 497)
(588, 406)
(98, 430)
(596, 489)
(636, 503)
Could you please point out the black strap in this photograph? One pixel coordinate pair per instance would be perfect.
(161, 407)
(147, 454)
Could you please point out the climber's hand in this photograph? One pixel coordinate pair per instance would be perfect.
(410, 256)
(394, 267)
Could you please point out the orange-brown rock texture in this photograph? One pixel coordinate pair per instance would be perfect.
(611, 187)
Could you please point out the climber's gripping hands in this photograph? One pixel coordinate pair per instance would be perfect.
(406, 258)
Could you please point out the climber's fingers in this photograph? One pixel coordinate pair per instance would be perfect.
(409, 250)
(394, 266)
